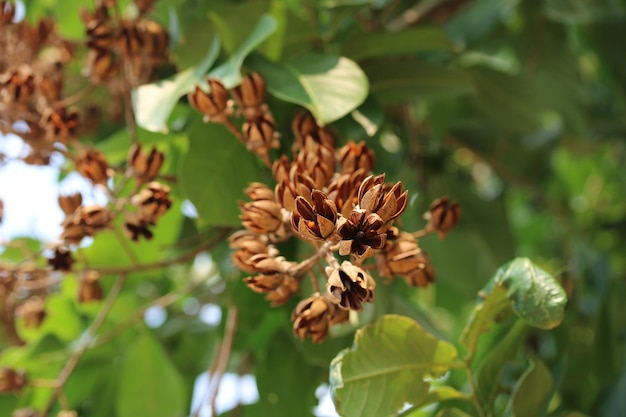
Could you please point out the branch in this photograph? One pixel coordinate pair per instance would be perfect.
(85, 343)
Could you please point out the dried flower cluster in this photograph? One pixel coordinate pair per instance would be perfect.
(328, 197)
(121, 54)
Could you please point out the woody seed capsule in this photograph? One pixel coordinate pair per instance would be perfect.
(349, 286)
(144, 167)
(250, 96)
(403, 257)
(93, 165)
(443, 216)
(214, 105)
(312, 317)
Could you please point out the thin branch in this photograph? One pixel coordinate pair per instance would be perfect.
(220, 363)
(85, 343)
(187, 256)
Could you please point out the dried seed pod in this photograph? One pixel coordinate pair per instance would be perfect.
(249, 244)
(354, 156)
(442, 216)
(12, 380)
(274, 279)
(33, 311)
(349, 286)
(89, 288)
(375, 197)
(312, 316)
(305, 126)
(262, 216)
(101, 66)
(214, 105)
(60, 124)
(85, 221)
(69, 203)
(152, 202)
(260, 135)
(62, 259)
(250, 96)
(154, 39)
(51, 86)
(361, 233)
(92, 165)
(299, 185)
(17, 86)
(144, 167)
(259, 191)
(343, 191)
(314, 221)
(135, 227)
(403, 257)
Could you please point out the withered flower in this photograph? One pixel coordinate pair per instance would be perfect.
(12, 380)
(262, 216)
(314, 221)
(61, 260)
(92, 165)
(250, 96)
(354, 156)
(144, 167)
(375, 197)
(33, 311)
(312, 317)
(69, 203)
(89, 288)
(442, 216)
(403, 257)
(214, 105)
(152, 202)
(360, 234)
(349, 286)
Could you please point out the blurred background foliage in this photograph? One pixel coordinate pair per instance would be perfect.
(515, 109)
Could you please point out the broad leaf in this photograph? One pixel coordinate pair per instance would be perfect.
(329, 86)
(149, 384)
(406, 80)
(533, 391)
(534, 294)
(387, 367)
(215, 172)
(230, 71)
(153, 103)
(492, 307)
(368, 45)
(490, 370)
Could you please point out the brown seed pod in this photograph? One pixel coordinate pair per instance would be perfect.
(89, 289)
(403, 257)
(349, 286)
(92, 165)
(250, 96)
(144, 167)
(442, 216)
(312, 316)
(12, 380)
(214, 104)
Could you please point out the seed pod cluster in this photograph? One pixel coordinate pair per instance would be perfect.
(325, 196)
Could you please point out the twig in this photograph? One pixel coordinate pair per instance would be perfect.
(167, 262)
(85, 343)
(220, 363)
(76, 97)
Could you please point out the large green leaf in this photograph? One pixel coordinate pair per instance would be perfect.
(404, 80)
(485, 314)
(387, 367)
(534, 294)
(367, 45)
(149, 384)
(153, 103)
(533, 391)
(490, 370)
(215, 172)
(329, 86)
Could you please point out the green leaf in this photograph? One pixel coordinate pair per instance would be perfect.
(405, 80)
(149, 384)
(230, 71)
(375, 44)
(215, 172)
(535, 295)
(533, 391)
(387, 367)
(485, 314)
(490, 370)
(329, 86)
(153, 103)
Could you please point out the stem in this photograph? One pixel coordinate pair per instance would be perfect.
(305, 266)
(220, 363)
(85, 343)
(474, 389)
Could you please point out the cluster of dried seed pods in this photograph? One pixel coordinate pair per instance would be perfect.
(328, 197)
